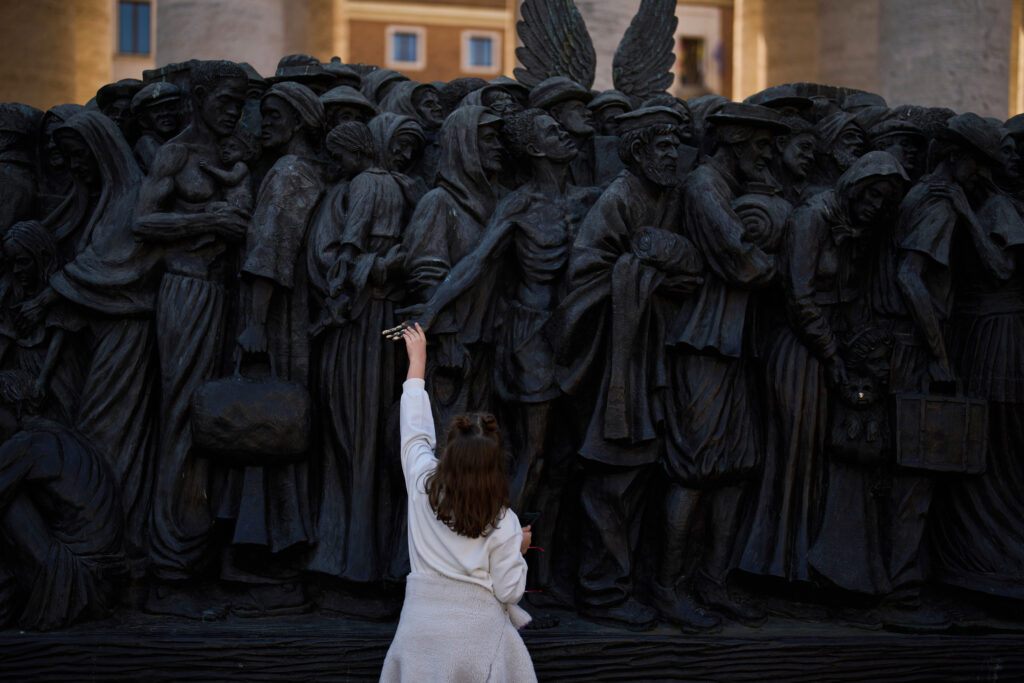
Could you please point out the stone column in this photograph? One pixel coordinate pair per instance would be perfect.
(848, 45)
(54, 51)
(95, 28)
(309, 29)
(607, 23)
(253, 31)
(776, 42)
(946, 53)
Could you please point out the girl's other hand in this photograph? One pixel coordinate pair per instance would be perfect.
(416, 347)
(527, 539)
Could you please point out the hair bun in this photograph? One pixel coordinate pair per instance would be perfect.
(488, 424)
(475, 424)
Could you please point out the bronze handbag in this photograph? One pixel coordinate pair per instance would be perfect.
(243, 421)
(941, 432)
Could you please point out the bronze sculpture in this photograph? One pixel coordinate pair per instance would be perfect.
(698, 320)
(61, 515)
(824, 252)
(108, 287)
(367, 281)
(157, 109)
(447, 224)
(179, 211)
(626, 253)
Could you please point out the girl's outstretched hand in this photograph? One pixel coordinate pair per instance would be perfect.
(416, 347)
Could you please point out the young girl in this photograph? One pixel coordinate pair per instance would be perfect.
(466, 548)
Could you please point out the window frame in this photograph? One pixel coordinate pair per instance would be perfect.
(134, 33)
(701, 44)
(421, 50)
(467, 51)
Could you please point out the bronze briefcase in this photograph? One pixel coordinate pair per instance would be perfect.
(941, 432)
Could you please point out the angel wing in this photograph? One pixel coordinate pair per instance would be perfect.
(555, 43)
(642, 65)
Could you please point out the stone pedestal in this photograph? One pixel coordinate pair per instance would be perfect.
(319, 648)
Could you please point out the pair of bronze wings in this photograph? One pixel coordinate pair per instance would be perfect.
(556, 43)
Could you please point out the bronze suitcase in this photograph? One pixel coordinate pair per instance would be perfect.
(941, 432)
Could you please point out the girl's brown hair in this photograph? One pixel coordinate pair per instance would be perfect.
(469, 488)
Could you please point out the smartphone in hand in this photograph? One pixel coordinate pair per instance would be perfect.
(528, 518)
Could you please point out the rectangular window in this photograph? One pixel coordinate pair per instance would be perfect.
(480, 51)
(133, 28)
(691, 61)
(405, 47)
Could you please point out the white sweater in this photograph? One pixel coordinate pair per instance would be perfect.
(459, 617)
(493, 561)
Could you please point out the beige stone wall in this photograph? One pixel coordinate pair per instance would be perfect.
(951, 53)
(130, 66)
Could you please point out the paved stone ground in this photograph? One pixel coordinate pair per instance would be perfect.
(314, 647)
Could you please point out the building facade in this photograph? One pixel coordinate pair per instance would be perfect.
(55, 51)
(960, 54)
(963, 54)
(425, 40)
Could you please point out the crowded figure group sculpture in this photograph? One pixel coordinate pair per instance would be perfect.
(717, 335)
